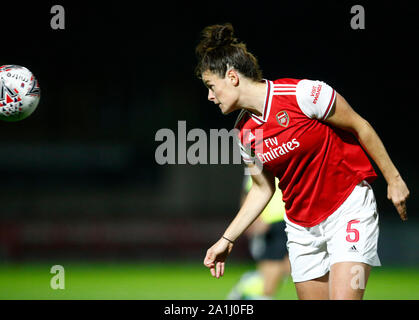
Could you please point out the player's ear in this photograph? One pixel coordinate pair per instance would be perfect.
(233, 76)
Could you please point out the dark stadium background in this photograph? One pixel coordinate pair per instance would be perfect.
(79, 178)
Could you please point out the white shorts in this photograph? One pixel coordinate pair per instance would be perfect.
(349, 234)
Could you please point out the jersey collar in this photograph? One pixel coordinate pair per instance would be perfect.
(267, 106)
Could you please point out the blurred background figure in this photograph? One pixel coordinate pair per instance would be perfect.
(267, 244)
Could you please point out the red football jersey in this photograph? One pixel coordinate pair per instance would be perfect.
(317, 165)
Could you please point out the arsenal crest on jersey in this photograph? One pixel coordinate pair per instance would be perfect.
(283, 118)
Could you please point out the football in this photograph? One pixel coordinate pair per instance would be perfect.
(19, 93)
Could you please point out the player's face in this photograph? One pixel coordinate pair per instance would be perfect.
(221, 91)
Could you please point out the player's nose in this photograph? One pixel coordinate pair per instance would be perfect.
(211, 96)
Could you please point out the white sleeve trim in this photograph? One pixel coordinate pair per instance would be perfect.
(245, 154)
(247, 158)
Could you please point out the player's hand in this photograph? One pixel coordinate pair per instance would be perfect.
(216, 256)
(398, 193)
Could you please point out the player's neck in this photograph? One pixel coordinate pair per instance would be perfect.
(253, 96)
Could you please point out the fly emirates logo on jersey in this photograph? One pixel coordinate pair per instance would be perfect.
(276, 149)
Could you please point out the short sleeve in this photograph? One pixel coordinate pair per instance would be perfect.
(315, 98)
(245, 153)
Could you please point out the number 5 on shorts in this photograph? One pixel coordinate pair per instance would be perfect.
(351, 229)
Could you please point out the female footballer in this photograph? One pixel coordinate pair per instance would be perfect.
(313, 142)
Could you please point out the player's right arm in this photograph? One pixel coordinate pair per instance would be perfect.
(260, 194)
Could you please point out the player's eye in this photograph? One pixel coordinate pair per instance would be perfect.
(208, 84)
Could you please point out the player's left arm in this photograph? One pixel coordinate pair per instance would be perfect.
(344, 117)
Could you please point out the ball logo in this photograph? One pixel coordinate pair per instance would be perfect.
(283, 118)
(34, 91)
(7, 95)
